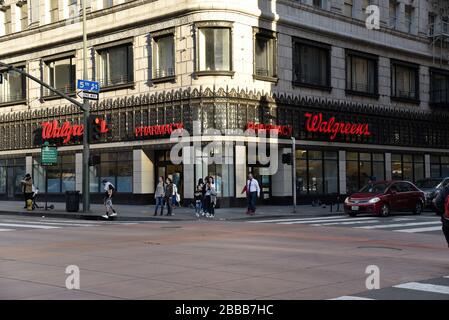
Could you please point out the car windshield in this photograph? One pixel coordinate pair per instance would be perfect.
(428, 183)
(374, 188)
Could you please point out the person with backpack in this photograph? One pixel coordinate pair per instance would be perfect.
(159, 196)
(169, 196)
(109, 190)
(441, 203)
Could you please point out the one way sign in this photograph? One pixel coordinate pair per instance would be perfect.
(88, 95)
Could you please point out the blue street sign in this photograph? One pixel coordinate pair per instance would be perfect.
(86, 85)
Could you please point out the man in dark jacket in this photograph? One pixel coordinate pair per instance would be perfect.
(168, 196)
(442, 206)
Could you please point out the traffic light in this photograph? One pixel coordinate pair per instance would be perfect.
(95, 128)
(287, 158)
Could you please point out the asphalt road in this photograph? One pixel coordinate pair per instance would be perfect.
(285, 258)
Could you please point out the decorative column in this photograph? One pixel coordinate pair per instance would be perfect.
(427, 173)
(342, 170)
(143, 173)
(388, 166)
(240, 170)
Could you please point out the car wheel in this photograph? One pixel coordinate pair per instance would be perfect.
(385, 210)
(418, 208)
(352, 214)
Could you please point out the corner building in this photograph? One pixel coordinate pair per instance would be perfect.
(359, 102)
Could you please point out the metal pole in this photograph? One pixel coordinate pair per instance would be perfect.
(85, 189)
(294, 173)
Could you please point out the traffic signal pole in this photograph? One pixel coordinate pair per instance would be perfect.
(86, 112)
(294, 173)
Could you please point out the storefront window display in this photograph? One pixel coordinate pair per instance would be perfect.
(361, 167)
(407, 167)
(61, 177)
(316, 172)
(12, 172)
(116, 167)
(439, 166)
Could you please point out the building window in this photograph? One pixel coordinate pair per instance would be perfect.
(361, 167)
(322, 4)
(393, 6)
(407, 167)
(61, 75)
(348, 7)
(13, 87)
(115, 65)
(408, 18)
(439, 88)
(34, 11)
(54, 11)
(316, 172)
(311, 64)
(7, 22)
(164, 56)
(214, 49)
(107, 4)
(117, 168)
(23, 16)
(404, 81)
(264, 54)
(361, 74)
(73, 8)
(439, 166)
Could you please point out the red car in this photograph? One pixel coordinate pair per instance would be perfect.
(382, 197)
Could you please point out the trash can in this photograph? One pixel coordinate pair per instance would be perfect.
(72, 201)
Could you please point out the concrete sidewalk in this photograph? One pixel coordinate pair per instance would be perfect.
(145, 212)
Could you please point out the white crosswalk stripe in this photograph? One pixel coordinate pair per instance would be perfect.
(50, 224)
(416, 230)
(351, 298)
(424, 287)
(411, 224)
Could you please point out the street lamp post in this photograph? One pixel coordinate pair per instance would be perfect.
(86, 184)
(294, 173)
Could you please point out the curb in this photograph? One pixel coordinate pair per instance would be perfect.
(156, 218)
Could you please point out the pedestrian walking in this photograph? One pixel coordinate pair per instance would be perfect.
(27, 189)
(199, 197)
(169, 196)
(441, 203)
(204, 204)
(109, 191)
(159, 195)
(252, 190)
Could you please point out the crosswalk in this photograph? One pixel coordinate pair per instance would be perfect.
(8, 225)
(404, 224)
(432, 289)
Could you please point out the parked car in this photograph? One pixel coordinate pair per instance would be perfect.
(383, 197)
(430, 187)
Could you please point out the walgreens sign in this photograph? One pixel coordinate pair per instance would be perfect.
(316, 123)
(67, 131)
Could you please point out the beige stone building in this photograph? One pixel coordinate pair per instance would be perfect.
(228, 64)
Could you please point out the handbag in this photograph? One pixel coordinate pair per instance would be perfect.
(178, 198)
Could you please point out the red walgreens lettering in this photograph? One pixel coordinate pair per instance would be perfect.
(51, 130)
(315, 123)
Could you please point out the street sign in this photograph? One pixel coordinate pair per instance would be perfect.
(49, 155)
(88, 95)
(86, 85)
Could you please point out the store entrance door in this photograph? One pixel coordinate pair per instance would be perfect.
(174, 172)
(264, 179)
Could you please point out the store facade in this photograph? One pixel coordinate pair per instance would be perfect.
(339, 145)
